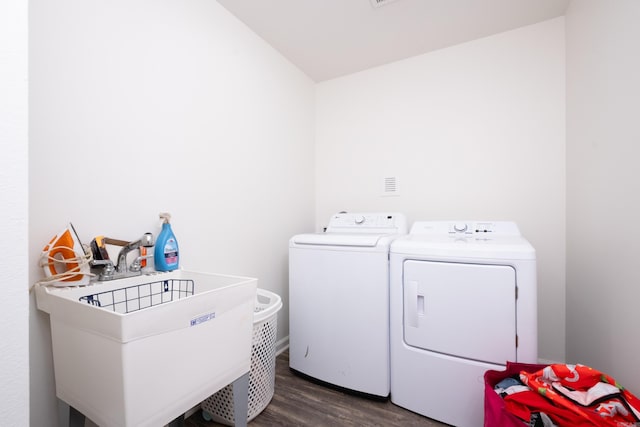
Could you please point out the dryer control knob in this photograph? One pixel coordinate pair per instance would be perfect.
(359, 219)
(460, 227)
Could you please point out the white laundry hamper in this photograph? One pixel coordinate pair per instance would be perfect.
(262, 376)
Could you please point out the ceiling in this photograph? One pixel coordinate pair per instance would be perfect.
(332, 38)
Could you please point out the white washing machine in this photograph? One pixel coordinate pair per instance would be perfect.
(462, 301)
(339, 302)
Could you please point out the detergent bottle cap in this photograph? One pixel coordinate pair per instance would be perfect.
(165, 217)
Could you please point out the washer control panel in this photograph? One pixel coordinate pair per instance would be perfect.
(380, 222)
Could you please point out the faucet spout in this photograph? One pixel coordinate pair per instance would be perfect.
(146, 240)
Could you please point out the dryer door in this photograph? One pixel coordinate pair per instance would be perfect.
(463, 310)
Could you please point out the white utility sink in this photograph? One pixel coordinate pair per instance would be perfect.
(141, 351)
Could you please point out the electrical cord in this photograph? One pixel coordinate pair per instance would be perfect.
(80, 261)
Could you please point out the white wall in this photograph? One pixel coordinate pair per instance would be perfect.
(603, 185)
(123, 91)
(14, 303)
(475, 131)
(143, 106)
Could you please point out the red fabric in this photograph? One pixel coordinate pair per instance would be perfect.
(522, 404)
(609, 405)
(582, 381)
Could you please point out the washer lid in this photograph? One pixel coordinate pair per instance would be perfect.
(338, 239)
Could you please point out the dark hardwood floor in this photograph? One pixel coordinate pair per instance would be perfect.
(299, 402)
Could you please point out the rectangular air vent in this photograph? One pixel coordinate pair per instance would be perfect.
(390, 186)
(378, 3)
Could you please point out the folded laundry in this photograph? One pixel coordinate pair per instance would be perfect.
(509, 386)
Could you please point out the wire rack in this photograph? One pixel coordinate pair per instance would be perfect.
(138, 297)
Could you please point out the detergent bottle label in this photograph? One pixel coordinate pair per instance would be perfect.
(171, 252)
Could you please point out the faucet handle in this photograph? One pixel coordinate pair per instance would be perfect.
(108, 269)
(136, 265)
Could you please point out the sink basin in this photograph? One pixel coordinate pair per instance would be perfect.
(143, 350)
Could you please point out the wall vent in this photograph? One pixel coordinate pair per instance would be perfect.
(390, 186)
(378, 3)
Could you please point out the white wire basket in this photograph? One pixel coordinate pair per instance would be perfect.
(262, 376)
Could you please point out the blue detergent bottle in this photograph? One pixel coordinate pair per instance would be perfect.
(165, 255)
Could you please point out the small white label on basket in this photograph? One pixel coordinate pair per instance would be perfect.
(203, 318)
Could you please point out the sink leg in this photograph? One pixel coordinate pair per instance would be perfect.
(69, 416)
(178, 422)
(76, 419)
(241, 400)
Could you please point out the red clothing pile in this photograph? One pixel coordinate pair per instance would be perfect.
(574, 395)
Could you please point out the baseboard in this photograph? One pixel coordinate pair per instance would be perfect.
(282, 345)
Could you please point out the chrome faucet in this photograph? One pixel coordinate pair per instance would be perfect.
(146, 240)
(108, 271)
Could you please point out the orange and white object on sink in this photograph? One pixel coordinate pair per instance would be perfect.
(65, 260)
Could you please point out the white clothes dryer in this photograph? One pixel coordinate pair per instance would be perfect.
(462, 301)
(339, 302)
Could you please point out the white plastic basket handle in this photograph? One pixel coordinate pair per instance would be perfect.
(268, 309)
